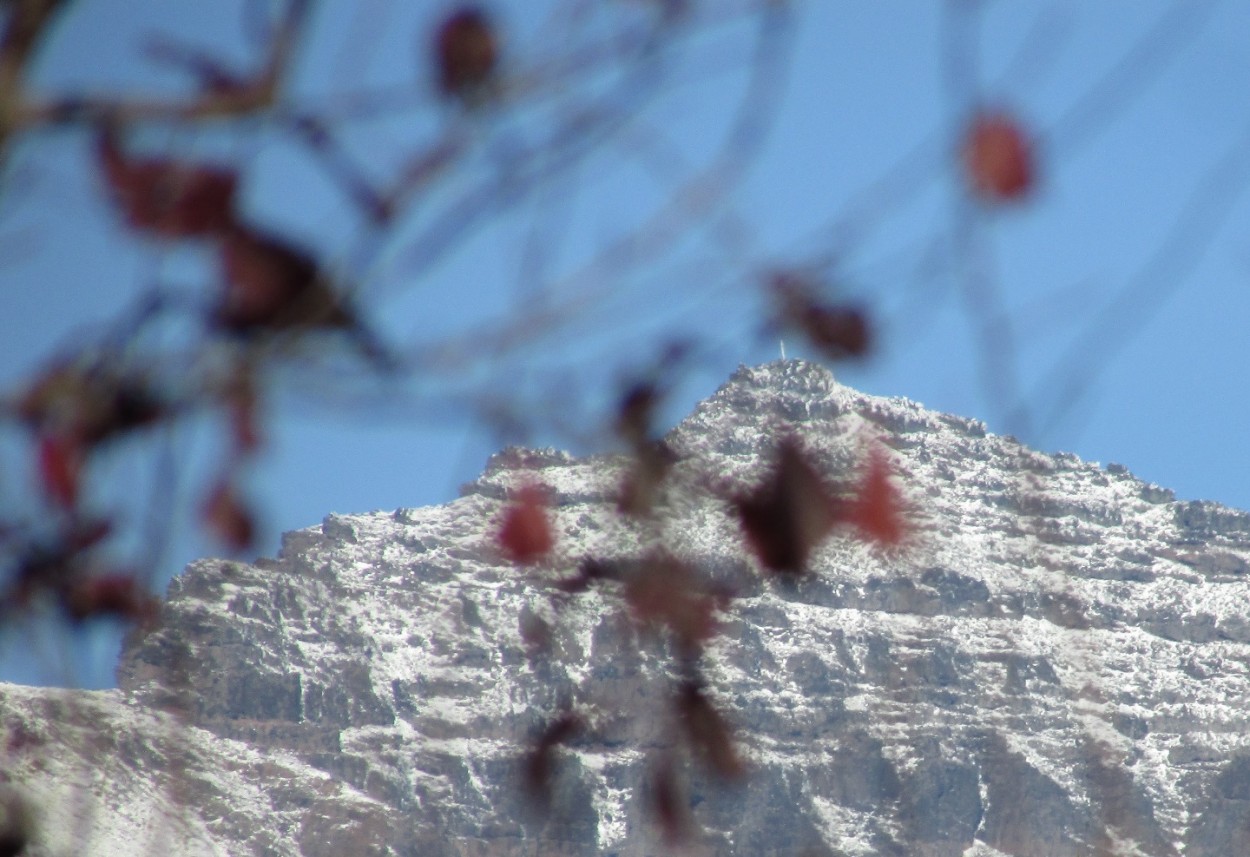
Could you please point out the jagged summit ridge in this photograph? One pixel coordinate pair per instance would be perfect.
(1058, 665)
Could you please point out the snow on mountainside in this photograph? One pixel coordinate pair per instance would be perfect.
(1058, 664)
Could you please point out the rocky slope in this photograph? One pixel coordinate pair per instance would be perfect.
(1057, 663)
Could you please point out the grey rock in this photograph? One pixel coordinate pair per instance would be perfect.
(1056, 664)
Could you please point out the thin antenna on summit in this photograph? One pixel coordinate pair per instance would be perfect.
(782, 343)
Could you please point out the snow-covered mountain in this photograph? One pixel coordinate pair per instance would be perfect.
(1057, 663)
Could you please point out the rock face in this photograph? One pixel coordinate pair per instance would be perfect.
(1057, 664)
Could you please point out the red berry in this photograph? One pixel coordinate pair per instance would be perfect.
(998, 158)
(467, 52)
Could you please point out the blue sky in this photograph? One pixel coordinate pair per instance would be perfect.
(1122, 276)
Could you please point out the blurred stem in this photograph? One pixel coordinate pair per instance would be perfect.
(27, 20)
(17, 114)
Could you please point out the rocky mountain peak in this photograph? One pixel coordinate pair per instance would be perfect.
(1056, 662)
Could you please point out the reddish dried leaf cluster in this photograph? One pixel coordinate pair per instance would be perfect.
(467, 53)
(789, 514)
(666, 592)
(60, 467)
(659, 592)
(116, 595)
(998, 158)
(876, 508)
(267, 284)
(526, 535)
(783, 519)
(92, 403)
(54, 566)
(838, 331)
(267, 288)
(73, 410)
(165, 197)
(794, 509)
(68, 571)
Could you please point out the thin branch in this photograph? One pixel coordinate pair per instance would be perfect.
(27, 21)
(250, 97)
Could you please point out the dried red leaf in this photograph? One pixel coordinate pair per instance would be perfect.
(540, 762)
(708, 732)
(89, 405)
(787, 516)
(86, 533)
(269, 283)
(228, 518)
(57, 566)
(43, 568)
(526, 535)
(665, 591)
(116, 595)
(166, 197)
(998, 158)
(128, 405)
(60, 467)
(839, 331)
(467, 52)
(876, 510)
(82, 534)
